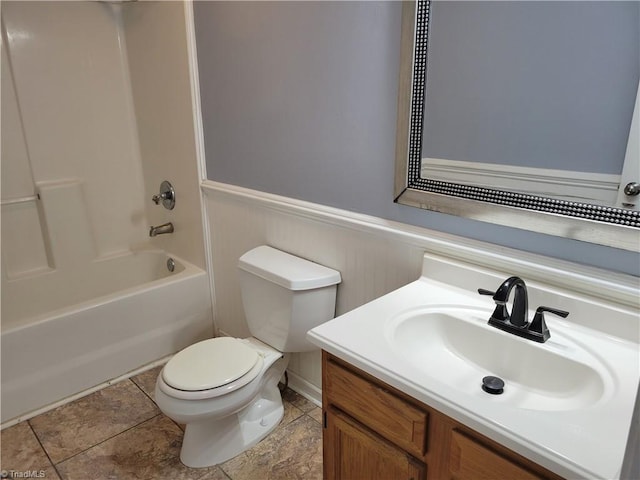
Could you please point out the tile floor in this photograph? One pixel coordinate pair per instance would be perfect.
(119, 433)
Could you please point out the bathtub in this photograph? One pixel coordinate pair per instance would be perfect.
(64, 332)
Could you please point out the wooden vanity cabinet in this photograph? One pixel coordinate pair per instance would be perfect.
(374, 432)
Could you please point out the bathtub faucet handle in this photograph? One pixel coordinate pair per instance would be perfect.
(156, 198)
(167, 196)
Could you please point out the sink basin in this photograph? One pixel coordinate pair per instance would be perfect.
(455, 346)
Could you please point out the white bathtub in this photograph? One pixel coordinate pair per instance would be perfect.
(64, 332)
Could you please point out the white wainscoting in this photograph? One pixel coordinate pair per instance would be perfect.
(374, 256)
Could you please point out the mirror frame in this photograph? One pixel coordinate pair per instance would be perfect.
(614, 227)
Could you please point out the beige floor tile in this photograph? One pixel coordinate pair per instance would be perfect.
(316, 414)
(76, 426)
(147, 380)
(21, 452)
(291, 452)
(149, 451)
(290, 413)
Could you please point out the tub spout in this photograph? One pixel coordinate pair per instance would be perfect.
(161, 229)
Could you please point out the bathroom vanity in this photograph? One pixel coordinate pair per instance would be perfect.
(374, 431)
(403, 381)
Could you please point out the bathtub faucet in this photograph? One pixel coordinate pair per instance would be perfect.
(161, 229)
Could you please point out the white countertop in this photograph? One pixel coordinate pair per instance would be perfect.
(588, 442)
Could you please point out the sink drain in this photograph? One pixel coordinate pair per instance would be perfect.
(493, 385)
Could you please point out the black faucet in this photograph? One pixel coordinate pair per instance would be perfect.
(516, 322)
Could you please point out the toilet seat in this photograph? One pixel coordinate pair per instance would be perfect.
(211, 364)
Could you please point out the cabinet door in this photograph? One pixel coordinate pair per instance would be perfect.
(470, 460)
(352, 452)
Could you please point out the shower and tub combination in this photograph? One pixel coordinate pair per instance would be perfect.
(91, 292)
(66, 332)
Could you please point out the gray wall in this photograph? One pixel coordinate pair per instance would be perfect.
(299, 99)
(535, 84)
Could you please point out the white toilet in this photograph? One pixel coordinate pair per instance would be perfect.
(226, 389)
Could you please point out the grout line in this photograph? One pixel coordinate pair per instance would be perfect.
(314, 419)
(219, 466)
(154, 402)
(44, 450)
(104, 440)
(144, 392)
(107, 439)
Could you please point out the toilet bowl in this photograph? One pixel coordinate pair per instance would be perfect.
(215, 431)
(225, 390)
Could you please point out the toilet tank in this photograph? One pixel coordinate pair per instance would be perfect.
(285, 296)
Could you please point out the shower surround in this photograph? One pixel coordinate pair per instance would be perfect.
(97, 111)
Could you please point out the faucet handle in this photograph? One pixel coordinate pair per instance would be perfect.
(500, 313)
(482, 291)
(538, 324)
(555, 311)
(167, 196)
(157, 198)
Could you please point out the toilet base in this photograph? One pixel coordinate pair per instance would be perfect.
(210, 442)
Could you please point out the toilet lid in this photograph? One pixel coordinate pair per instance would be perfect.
(209, 364)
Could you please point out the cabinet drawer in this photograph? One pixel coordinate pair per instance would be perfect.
(470, 460)
(395, 419)
(354, 453)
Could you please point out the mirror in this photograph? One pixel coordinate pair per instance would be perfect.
(504, 118)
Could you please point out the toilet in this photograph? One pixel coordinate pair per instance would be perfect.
(224, 389)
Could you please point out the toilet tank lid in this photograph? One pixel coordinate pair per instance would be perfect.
(286, 270)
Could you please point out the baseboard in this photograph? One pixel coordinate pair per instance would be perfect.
(304, 388)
